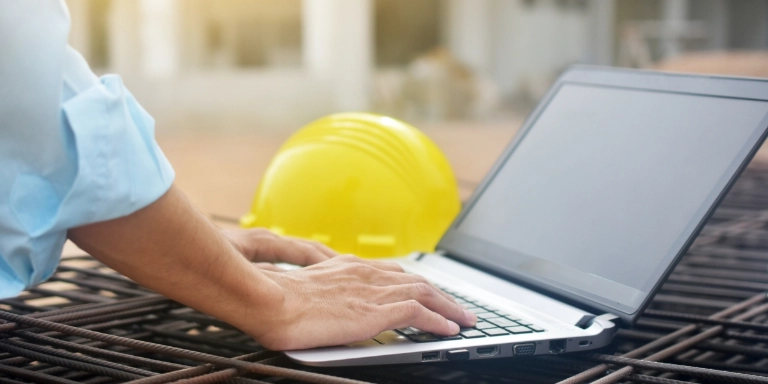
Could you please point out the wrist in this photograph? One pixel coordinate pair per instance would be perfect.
(262, 304)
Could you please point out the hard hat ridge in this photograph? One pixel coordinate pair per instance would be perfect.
(368, 136)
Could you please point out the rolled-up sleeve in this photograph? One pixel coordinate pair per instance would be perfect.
(120, 166)
(74, 149)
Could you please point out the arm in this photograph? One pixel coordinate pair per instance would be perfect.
(171, 248)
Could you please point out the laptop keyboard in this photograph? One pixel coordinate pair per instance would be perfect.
(491, 322)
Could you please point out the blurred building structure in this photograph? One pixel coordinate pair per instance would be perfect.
(284, 62)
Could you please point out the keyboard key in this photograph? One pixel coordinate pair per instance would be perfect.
(536, 328)
(423, 337)
(484, 325)
(495, 332)
(524, 322)
(519, 330)
(486, 315)
(472, 334)
(502, 322)
(476, 310)
(409, 331)
(453, 337)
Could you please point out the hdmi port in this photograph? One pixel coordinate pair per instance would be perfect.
(487, 351)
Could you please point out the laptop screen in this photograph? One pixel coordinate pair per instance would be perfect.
(607, 185)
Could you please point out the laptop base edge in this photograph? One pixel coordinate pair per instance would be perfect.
(599, 334)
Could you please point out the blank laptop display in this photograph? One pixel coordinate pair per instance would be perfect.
(606, 186)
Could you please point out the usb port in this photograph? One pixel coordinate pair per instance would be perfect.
(430, 356)
(487, 351)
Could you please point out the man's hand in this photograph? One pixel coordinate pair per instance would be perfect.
(263, 247)
(348, 299)
(172, 249)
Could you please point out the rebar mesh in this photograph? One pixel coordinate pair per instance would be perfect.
(707, 325)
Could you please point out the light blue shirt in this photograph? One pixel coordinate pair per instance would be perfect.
(74, 148)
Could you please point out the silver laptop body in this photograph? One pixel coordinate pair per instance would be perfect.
(583, 217)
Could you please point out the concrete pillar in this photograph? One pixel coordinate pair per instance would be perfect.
(673, 14)
(468, 32)
(506, 45)
(719, 25)
(338, 48)
(123, 37)
(602, 16)
(159, 31)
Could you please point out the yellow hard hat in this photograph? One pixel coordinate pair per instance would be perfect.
(360, 183)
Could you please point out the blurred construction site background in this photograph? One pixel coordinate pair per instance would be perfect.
(228, 81)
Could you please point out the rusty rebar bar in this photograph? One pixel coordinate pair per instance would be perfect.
(177, 352)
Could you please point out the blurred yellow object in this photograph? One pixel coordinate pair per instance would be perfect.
(360, 183)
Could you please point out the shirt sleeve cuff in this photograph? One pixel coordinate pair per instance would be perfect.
(121, 169)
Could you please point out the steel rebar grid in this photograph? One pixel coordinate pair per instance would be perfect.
(89, 324)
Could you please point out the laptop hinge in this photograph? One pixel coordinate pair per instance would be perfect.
(587, 320)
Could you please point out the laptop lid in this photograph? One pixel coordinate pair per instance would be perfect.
(608, 183)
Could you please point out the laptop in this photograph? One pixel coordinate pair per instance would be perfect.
(582, 218)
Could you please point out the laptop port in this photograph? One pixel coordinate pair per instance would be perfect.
(430, 356)
(456, 355)
(487, 351)
(526, 349)
(557, 346)
(584, 343)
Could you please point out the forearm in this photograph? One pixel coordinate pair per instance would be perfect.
(172, 249)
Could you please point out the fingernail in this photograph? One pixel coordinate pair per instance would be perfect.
(471, 317)
(454, 328)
